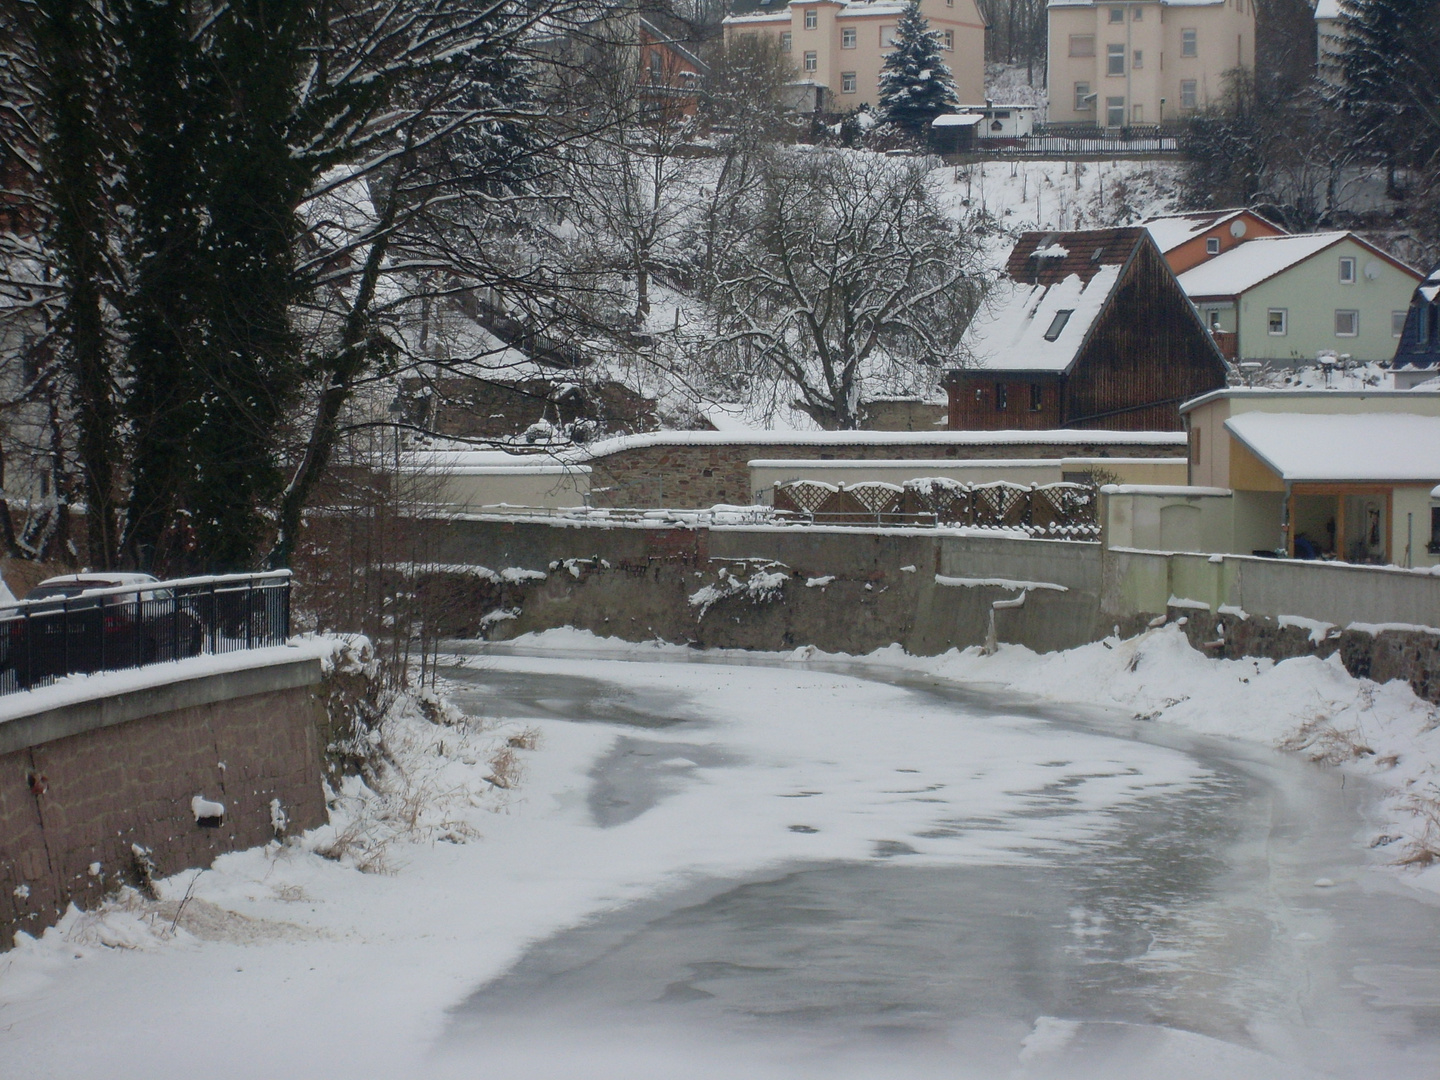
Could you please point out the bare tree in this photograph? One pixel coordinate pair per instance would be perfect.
(840, 272)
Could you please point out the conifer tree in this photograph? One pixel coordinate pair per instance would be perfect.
(1390, 63)
(915, 84)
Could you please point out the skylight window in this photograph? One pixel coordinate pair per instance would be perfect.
(1057, 324)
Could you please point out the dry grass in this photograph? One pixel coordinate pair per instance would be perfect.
(1322, 742)
(1424, 849)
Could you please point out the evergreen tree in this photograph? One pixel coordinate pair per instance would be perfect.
(915, 84)
(1390, 63)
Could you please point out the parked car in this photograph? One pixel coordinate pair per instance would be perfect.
(63, 627)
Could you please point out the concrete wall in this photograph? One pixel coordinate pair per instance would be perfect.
(82, 784)
(466, 489)
(857, 589)
(1168, 518)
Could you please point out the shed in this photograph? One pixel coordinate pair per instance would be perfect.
(952, 133)
(1088, 329)
(1003, 121)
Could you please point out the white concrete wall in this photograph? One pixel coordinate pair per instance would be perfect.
(540, 486)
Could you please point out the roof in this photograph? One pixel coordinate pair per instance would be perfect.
(1169, 231)
(1353, 447)
(1327, 9)
(1102, 3)
(956, 120)
(1263, 392)
(1246, 265)
(1057, 284)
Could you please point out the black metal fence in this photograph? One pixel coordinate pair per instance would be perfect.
(112, 629)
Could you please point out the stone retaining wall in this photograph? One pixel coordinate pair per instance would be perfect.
(99, 794)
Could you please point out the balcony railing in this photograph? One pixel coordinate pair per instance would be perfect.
(132, 626)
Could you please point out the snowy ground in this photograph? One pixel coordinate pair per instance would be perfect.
(490, 835)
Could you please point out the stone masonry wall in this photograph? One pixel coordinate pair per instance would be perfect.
(687, 476)
(71, 809)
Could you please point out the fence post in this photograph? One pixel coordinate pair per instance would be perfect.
(214, 619)
(250, 614)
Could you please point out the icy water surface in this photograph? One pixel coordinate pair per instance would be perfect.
(1188, 938)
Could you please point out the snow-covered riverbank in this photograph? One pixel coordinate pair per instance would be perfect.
(343, 952)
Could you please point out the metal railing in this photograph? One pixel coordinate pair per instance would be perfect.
(131, 626)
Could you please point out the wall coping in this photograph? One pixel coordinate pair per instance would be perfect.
(86, 703)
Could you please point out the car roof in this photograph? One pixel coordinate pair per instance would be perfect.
(99, 581)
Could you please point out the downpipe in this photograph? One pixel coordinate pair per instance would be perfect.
(992, 637)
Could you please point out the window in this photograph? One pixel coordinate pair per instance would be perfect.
(1083, 101)
(1037, 396)
(1397, 323)
(812, 60)
(1422, 324)
(1117, 14)
(1057, 324)
(1114, 59)
(1189, 45)
(887, 37)
(1347, 271)
(1347, 323)
(949, 40)
(657, 68)
(1114, 112)
(812, 19)
(847, 82)
(1212, 319)
(1277, 320)
(1136, 14)
(1001, 403)
(785, 41)
(1434, 546)
(1137, 114)
(1195, 438)
(1188, 98)
(1137, 59)
(847, 37)
(1212, 245)
(1082, 44)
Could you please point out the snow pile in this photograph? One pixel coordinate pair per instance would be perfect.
(761, 586)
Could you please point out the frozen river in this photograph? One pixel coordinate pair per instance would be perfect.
(997, 889)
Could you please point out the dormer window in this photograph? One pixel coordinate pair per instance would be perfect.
(1057, 324)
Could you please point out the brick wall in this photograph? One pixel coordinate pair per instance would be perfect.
(83, 800)
(699, 475)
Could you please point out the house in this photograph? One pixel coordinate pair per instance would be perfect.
(1088, 329)
(1417, 356)
(1329, 43)
(1126, 63)
(670, 71)
(1322, 473)
(1288, 299)
(1187, 240)
(838, 46)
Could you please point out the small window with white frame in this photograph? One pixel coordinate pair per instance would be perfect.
(1212, 245)
(786, 40)
(887, 37)
(1114, 112)
(1277, 321)
(812, 19)
(1137, 59)
(849, 37)
(1397, 323)
(1117, 14)
(1347, 324)
(1115, 59)
(1084, 102)
(1188, 97)
(949, 40)
(1347, 270)
(1189, 43)
(812, 60)
(848, 82)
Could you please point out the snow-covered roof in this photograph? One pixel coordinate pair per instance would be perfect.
(1169, 231)
(956, 120)
(750, 20)
(1013, 332)
(1327, 9)
(1353, 447)
(1166, 3)
(1247, 265)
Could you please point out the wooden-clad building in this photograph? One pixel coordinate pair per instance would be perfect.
(1087, 329)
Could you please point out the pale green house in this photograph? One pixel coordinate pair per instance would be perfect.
(1288, 299)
